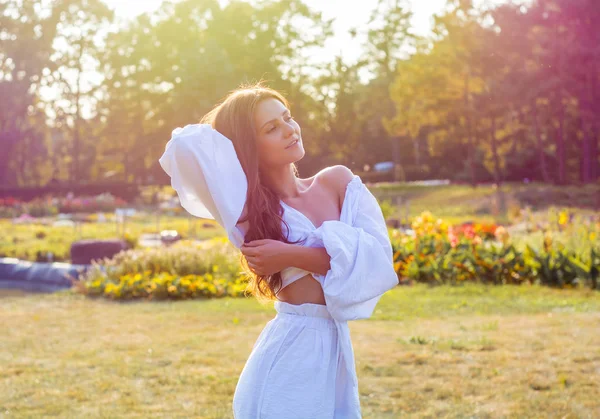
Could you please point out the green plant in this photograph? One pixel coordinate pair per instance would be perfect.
(183, 271)
(438, 253)
(387, 208)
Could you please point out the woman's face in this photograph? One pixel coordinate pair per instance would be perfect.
(278, 136)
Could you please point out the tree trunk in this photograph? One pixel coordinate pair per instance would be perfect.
(585, 153)
(594, 154)
(595, 110)
(8, 139)
(560, 142)
(417, 150)
(496, 157)
(76, 134)
(76, 144)
(396, 156)
(471, 142)
(588, 108)
(539, 143)
(500, 198)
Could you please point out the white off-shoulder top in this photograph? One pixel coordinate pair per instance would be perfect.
(211, 183)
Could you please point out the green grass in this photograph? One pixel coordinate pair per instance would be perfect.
(421, 301)
(459, 203)
(24, 241)
(469, 351)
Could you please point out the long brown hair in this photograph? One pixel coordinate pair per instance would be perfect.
(234, 118)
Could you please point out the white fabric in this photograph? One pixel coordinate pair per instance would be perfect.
(210, 182)
(361, 272)
(362, 267)
(290, 275)
(207, 175)
(302, 364)
(295, 369)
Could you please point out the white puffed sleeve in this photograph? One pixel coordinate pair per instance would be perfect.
(362, 268)
(207, 176)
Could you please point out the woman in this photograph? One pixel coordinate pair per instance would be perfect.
(318, 247)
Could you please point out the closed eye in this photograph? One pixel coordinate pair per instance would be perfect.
(288, 118)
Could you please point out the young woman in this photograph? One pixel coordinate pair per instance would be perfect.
(318, 247)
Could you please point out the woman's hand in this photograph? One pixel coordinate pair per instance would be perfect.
(266, 257)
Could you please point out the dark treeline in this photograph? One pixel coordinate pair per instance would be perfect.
(491, 95)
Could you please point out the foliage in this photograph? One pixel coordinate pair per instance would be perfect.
(492, 94)
(184, 270)
(495, 87)
(438, 253)
(26, 38)
(42, 207)
(387, 208)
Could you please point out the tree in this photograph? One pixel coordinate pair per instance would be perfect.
(26, 36)
(157, 81)
(389, 41)
(78, 46)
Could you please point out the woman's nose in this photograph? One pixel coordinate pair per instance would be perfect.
(289, 129)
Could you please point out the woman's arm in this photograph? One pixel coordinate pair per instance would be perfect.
(268, 256)
(311, 259)
(265, 257)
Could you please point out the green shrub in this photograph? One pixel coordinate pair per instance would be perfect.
(183, 271)
(438, 253)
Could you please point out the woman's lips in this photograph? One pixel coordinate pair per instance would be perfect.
(296, 142)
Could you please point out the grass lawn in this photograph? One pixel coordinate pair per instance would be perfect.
(460, 203)
(468, 351)
(23, 241)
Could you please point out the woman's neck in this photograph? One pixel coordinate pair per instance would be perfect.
(283, 182)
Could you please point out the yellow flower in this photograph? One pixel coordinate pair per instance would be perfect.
(592, 236)
(427, 217)
(563, 218)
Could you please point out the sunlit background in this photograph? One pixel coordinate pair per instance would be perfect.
(476, 125)
(347, 15)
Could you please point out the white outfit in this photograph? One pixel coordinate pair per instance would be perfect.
(302, 364)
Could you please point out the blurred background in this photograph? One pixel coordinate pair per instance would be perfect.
(476, 111)
(468, 91)
(475, 123)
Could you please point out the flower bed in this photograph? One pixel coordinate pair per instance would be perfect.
(182, 271)
(439, 253)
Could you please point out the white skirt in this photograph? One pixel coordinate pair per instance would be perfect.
(301, 366)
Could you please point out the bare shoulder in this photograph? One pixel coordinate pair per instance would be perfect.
(337, 175)
(335, 178)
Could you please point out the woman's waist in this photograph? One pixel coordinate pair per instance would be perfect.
(305, 289)
(309, 314)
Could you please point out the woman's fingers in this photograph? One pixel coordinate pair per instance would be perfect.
(253, 263)
(255, 269)
(255, 243)
(248, 251)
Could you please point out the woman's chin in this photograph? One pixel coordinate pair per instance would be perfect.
(298, 154)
